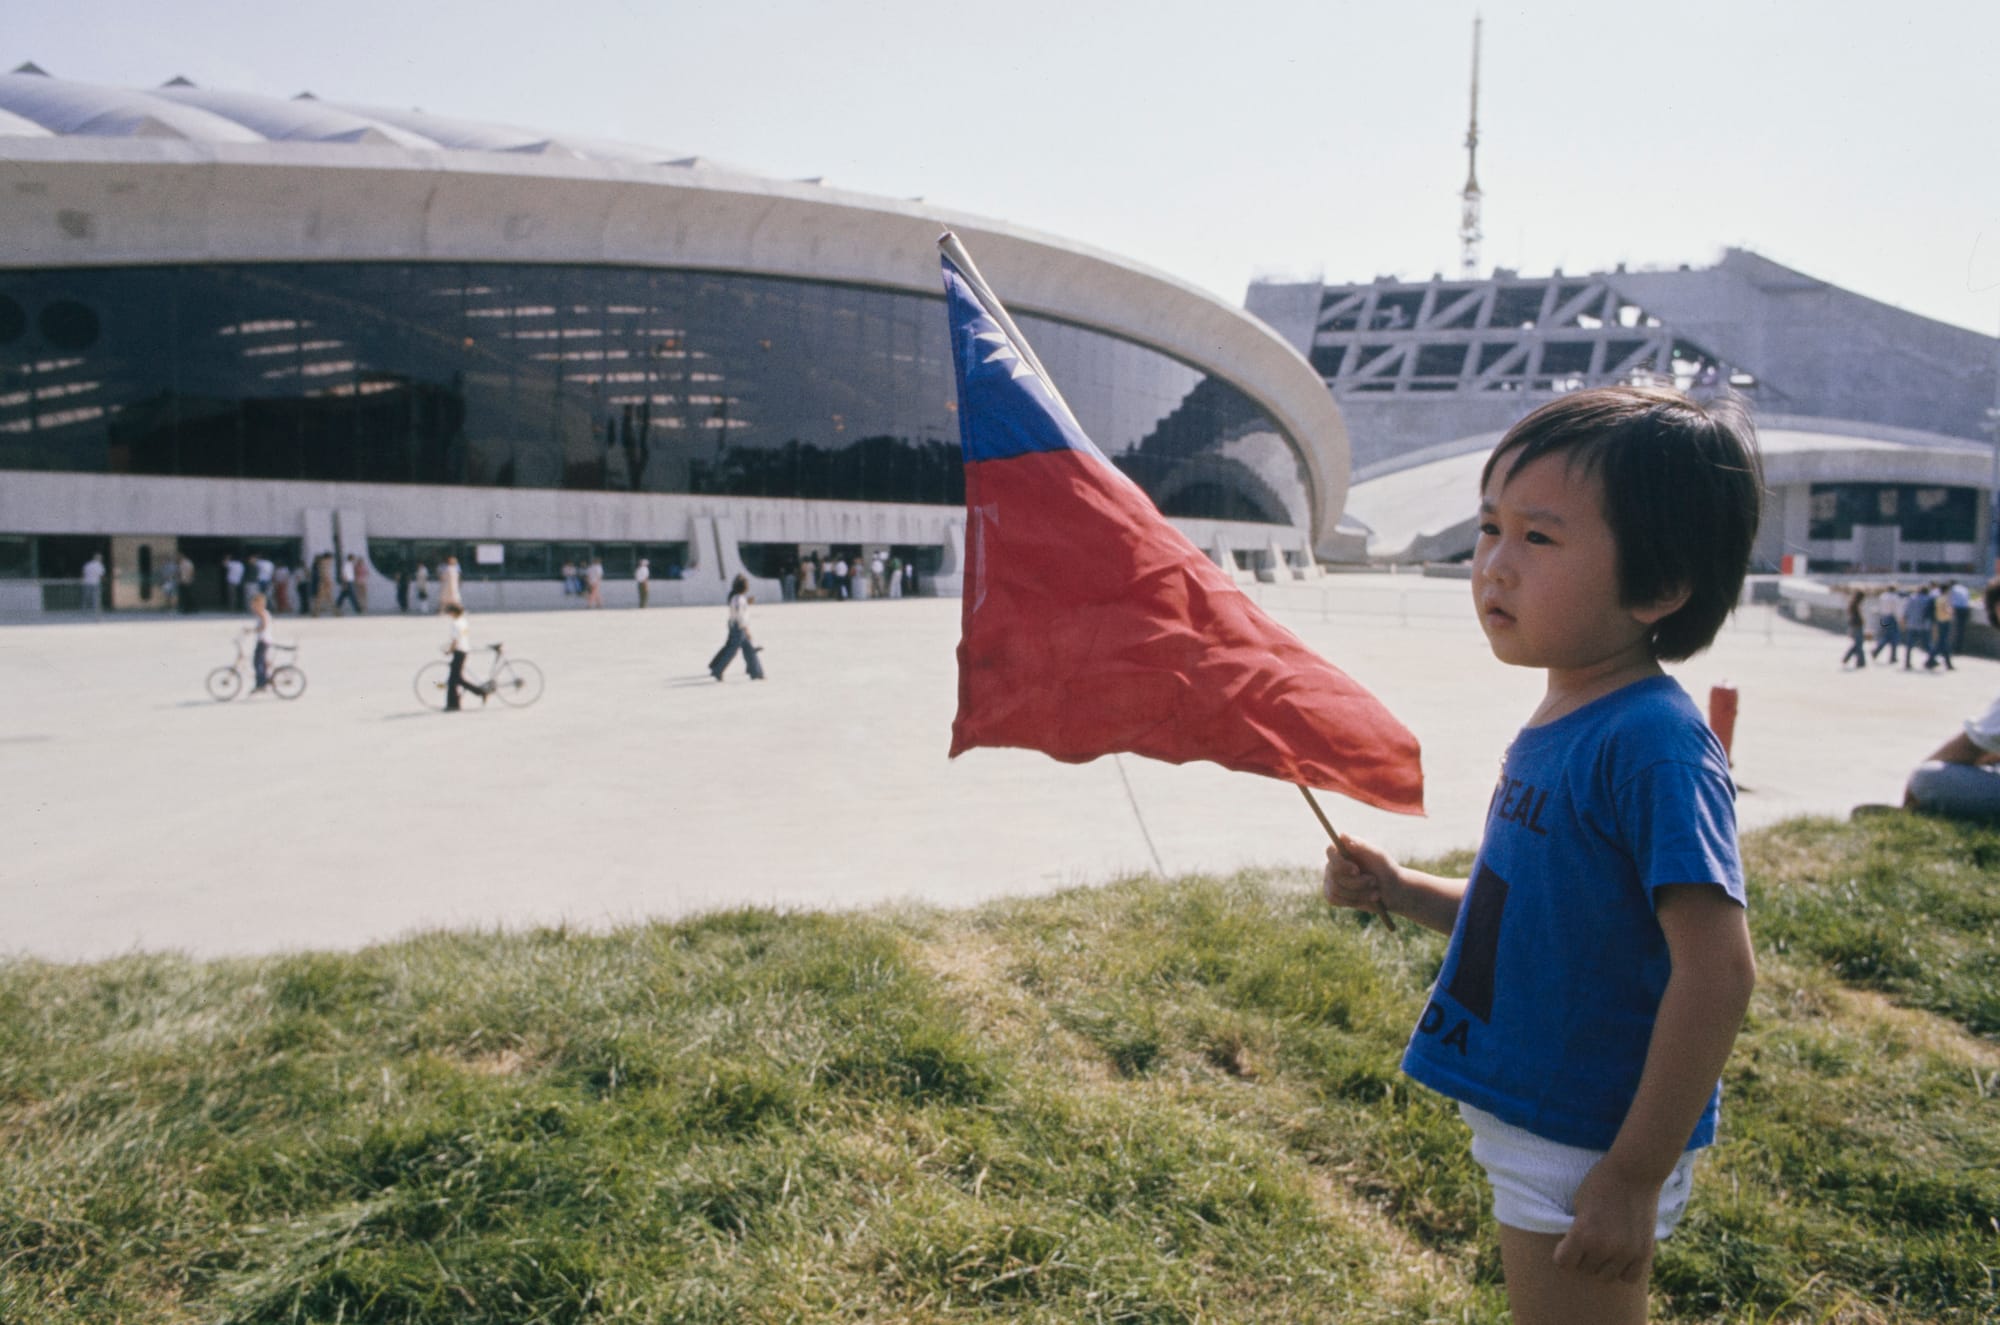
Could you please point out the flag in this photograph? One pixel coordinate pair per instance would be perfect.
(1090, 625)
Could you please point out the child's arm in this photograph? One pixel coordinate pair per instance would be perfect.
(1700, 1013)
(1367, 880)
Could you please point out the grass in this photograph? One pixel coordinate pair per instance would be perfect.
(1144, 1102)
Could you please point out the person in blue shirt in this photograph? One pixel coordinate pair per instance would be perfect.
(1600, 963)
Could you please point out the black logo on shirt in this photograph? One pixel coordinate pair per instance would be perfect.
(1478, 958)
(1519, 802)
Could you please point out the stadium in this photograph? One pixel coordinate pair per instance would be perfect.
(238, 323)
(1876, 424)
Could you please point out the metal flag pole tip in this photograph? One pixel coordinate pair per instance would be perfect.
(1381, 908)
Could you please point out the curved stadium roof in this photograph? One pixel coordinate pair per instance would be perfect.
(34, 104)
(115, 176)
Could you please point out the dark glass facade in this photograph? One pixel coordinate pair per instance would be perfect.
(591, 378)
(1922, 513)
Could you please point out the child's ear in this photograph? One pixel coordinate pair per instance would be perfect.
(1659, 609)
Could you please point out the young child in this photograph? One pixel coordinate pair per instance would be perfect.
(1600, 963)
(260, 656)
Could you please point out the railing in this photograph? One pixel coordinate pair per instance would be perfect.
(38, 597)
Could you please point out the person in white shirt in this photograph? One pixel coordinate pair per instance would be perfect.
(739, 634)
(1961, 779)
(232, 577)
(643, 578)
(93, 581)
(458, 646)
(593, 584)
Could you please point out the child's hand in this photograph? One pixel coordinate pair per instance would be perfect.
(1612, 1237)
(1361, 877)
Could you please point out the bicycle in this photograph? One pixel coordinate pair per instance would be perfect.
(515, 681)
(285, 680)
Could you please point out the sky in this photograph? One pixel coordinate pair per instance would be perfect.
(1216, 141)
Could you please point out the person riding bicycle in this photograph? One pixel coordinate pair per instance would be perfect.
(260, 656)
(457, 646)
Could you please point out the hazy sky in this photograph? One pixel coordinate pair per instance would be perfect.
(1858, 142)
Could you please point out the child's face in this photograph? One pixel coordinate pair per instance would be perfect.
(1545, 574)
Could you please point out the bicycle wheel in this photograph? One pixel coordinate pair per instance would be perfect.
(518, 682)
(431, 681)
(225, 683)
(289, 682)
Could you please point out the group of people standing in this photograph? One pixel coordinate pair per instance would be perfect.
(1933, 616)
(837, 577)
(587, 581)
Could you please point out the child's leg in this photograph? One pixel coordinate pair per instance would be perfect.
(1535, 1182)
(1542, 1293)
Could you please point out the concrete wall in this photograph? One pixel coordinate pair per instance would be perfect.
(713, 527)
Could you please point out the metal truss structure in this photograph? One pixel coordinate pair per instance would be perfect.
(1503, 334)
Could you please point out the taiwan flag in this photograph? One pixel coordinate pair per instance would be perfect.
(1093, 626)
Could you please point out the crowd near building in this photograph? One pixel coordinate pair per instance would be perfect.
(239, 325)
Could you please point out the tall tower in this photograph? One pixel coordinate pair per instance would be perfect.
(1469, 233)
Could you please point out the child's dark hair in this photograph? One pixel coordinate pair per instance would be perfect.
(1682, 492)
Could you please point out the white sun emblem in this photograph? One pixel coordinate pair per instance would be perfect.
(1003, 351)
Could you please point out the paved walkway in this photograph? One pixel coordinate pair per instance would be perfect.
(137, 813)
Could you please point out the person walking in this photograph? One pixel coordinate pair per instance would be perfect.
(642, 576)
(1857, 633)
(593, 583)
(739, 634)
(1888, 622)
(458, 646)
(422, 581)
(1961, 614)
(263, 572)
(1940, 628)
(347, 587)
(448, 585)
(185, 570)
(1916, 622)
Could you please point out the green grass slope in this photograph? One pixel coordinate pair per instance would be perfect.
(1147, 1102)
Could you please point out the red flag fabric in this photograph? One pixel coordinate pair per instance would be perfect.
(1090, 625)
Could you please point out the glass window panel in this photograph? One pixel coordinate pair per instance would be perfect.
(600, 379)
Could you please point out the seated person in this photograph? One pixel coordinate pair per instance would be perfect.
(1961, 779)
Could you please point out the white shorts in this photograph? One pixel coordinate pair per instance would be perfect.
(1535, 1180)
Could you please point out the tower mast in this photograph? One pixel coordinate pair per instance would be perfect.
(1469, 233)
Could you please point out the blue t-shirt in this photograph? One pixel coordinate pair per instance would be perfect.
(1544, 1008)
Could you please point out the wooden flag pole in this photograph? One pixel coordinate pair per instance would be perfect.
(1381, 908)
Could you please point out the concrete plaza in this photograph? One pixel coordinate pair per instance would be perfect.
(140, 814)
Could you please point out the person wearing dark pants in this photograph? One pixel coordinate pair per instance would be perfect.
(739, 634)
(457, 646)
